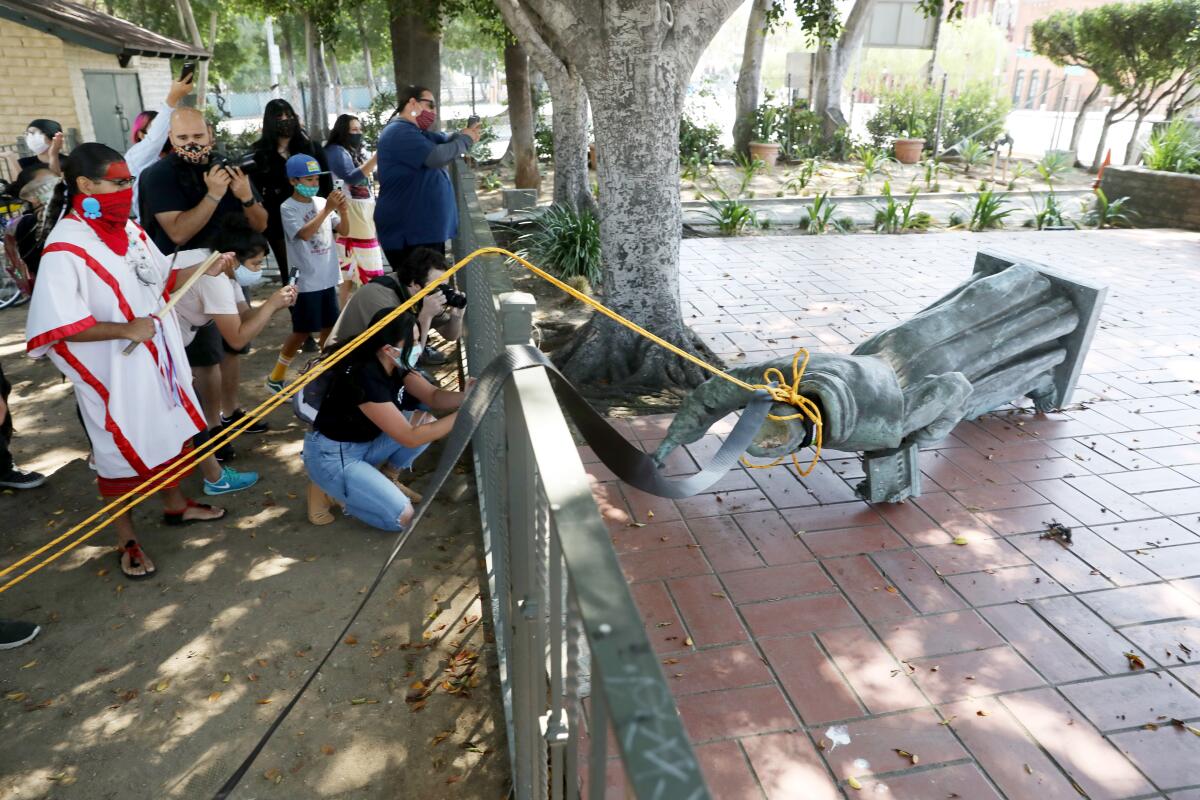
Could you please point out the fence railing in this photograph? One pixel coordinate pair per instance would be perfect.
(575, 661)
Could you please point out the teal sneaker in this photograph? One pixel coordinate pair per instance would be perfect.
(275, 386)
(230, 481)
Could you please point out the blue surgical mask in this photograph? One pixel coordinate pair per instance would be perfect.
(413, 357)
(246, 277)
(307, 191)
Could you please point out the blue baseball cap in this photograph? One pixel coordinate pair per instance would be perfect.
(301, 166)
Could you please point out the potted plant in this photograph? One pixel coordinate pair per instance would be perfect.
(908, 149)
(766, 125)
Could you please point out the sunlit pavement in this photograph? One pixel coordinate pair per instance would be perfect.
(822, 647)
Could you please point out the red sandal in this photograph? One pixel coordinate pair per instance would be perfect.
(175, 518)
(136, 559)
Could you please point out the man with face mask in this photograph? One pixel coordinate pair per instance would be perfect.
(184, 194)
(44, 139)
(416, 202)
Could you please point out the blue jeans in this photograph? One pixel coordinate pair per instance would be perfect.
(347, 472)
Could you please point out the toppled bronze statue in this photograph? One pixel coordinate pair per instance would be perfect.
(1014, 329)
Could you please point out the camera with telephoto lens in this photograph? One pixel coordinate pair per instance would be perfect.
(453, 299)
(245, 162)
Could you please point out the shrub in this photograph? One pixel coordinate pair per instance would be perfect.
(1049, 215)
(975, 112)
(800, 131)
(989, 212)
(700, 142)
(1106, 213)
(564, 242)
(481, 150)
(1053, 166)
(376, 116)
(767, 116)
(973, 154)
(797, 182)
(730, 216)
(1174, 147)
(543, 139)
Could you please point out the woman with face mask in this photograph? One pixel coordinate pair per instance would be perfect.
(101, 286)
(282, 137)
(359, 256)
(364, 422)
(44, 138)
(416, 202)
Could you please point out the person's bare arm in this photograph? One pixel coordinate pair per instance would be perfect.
(240, 330)
(226, 262)
(181, 226)
(389, 420)
(239, 184)
(137, 330)
(437, 399)
(451, 327)
(310, 228)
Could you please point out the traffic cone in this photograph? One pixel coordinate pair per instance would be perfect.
(1100, 174)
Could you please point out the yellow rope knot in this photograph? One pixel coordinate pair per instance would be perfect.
(789, 394)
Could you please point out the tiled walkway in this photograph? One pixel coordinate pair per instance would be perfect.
(812, 638)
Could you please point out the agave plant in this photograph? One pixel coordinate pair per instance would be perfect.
(989, 212)
(566, 242)
(873, 162)
(1050, 215)
(749, 167)
(1020, 170)
(973, 154)
(818, 218)
(799, 181)
(1053, 166)
(730, 215)
(894, 217)
(1106, 213)
(933, 169)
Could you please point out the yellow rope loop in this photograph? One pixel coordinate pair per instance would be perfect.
(782, 391)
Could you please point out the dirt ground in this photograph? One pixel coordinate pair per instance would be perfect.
(158, 688)
(836, 178)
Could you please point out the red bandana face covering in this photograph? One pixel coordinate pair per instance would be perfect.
(106, 214)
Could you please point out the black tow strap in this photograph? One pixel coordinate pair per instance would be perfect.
(626, 461)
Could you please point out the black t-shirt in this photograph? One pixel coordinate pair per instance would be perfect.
(340, 417)
(270, 179)
(172, 184)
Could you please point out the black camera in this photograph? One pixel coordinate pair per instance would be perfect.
(244, 162)
(453, 299)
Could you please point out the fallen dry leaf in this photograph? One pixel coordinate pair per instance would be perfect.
(30, 665)
(854, 784)
(273, 775)
(1135, 661)
(351, 640)
(16, 697)
(688, 642)
(226, 678)
(214, 696)
(162, 686)
(960, 540)
(265, 701)
(328, 749)
(981, 713)
(1028, 770)
(441, 737)
(913, 757)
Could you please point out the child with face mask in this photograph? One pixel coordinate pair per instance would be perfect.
(44, 138)
(365, 421)
(308, 225)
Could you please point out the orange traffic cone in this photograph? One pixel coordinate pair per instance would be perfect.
(1100, 174)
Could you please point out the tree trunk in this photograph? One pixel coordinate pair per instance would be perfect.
(1080, 121)
(520, 117)
(318, 117)
(336, 75)
(569, 122)
(1131, 150)
(289, 59)
(1098, 158)
(636, 85)
(366, 46)
(416, 47)
(749, 82)
(833, 64)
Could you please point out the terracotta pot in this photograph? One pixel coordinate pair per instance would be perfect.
(908, 151)
(766, 152)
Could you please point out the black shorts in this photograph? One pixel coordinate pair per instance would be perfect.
(228, 348)
(205, 349)
(315, 311)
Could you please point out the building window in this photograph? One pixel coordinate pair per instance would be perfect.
(1018, 82)
(1033, 88)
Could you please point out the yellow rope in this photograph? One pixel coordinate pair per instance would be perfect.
(782, 393)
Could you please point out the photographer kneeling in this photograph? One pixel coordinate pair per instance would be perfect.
(364, 420)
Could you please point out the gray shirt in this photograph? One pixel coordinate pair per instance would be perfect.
(314, 262)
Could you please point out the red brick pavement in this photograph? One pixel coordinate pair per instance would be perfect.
(809, 636)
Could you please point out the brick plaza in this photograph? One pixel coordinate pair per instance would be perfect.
(811, 638)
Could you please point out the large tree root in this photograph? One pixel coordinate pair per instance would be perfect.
(607, 359)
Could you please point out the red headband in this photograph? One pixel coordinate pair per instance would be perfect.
(117, 170)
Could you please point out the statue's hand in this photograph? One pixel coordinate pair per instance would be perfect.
(934, 405)
(704, 406)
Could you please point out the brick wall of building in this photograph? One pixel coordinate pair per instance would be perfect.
(1159, 199)
(34, 81)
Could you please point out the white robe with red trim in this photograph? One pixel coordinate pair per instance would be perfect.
(139, 409)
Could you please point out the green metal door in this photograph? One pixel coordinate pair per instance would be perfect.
(114, 99)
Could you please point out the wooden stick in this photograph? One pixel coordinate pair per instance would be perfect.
(200, 272)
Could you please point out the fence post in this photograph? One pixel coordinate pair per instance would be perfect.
(516, 316)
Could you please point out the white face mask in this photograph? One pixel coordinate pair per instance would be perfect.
(36, 142)
(246, 277)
